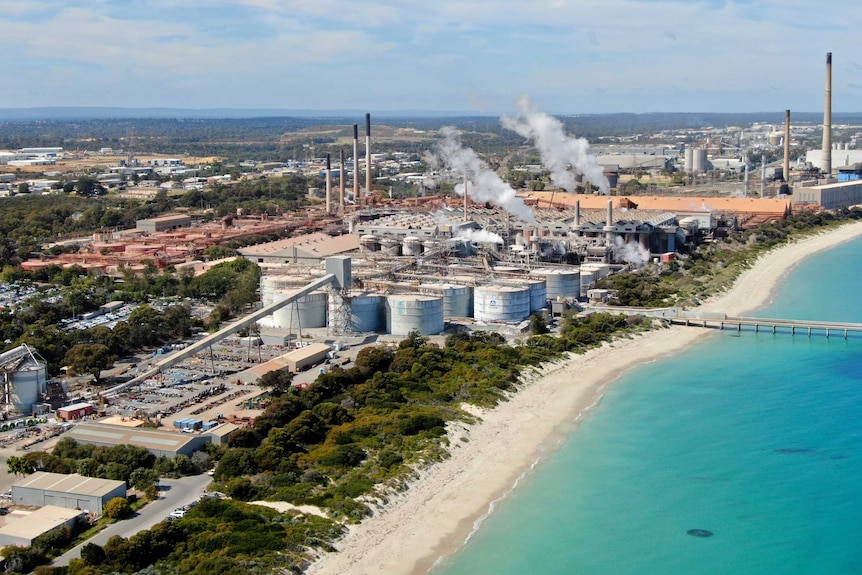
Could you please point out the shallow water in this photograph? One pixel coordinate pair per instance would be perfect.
(753, 437)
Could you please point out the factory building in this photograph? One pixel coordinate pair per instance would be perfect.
(23, 526)
(88, 494)
(306, 249)
(164, 223)
(158, 442)
(828, 196)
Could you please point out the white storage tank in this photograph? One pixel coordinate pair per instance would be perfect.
(457, 299)
(412, 246)
(27, 383)
(309, 311)
(501, 303)
(561, 284)
(601, 270)
(588, 280)
(269, 285)
(406, 313)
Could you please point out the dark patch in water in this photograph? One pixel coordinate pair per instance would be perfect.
(699, 532)
(793, 450)
(838, 457)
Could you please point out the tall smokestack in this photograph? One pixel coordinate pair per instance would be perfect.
(356, 163)
(826, 151)
(342, 178)
(328, 185)
(577, 213)
(368, 154)
(609, 224)
(465, 198)
(786, 145)
(762, 176)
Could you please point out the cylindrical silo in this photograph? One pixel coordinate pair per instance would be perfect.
(27, 382)
(457, 299)
(359, 312)
(307, 312)
(270, 285)
(412, 246)
(431, 245)
(698, 160)
(588, 279)
(561, 284)
(688, 162)
(390, 247)
(538, 294)
(501, 303)
(369, 243)
(406, 313)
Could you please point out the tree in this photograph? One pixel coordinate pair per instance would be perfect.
(538, 325)
(277, 381)
(93, 554)
(24, 188)
(117, 508)
(19, 466)
(89, 358)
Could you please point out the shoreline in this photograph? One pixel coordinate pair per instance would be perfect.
(448, 501)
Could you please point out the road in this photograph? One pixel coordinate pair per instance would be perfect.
(173, 493)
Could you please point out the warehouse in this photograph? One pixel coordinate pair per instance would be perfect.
(164, 223)
(89, 494)
(160, 443)
(22, 527)
(221, 433)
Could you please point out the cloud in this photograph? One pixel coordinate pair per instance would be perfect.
(574, 56)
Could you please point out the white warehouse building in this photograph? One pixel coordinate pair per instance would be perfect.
(89, 494)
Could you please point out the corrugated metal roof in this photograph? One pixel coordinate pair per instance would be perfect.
(73, 484)
(313, 245)
(119, 435)
(668, 203)
(35, 523)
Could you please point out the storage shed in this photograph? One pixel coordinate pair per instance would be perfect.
(22, 527)
(89, 494)
(305, 357)
(75, 411)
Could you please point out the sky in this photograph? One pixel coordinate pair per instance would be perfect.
(469, 56)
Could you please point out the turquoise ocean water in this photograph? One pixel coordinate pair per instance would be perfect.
(754, 437)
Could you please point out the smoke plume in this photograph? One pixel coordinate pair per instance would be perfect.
(479, 236)
(484, 185)
(631, 252)
(558, 151)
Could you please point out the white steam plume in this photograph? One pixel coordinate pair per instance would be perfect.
(479, 236)
(484, 184)
(631, 252)
(558, 151)
(475, 236)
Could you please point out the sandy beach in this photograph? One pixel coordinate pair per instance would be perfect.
(441, 508)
